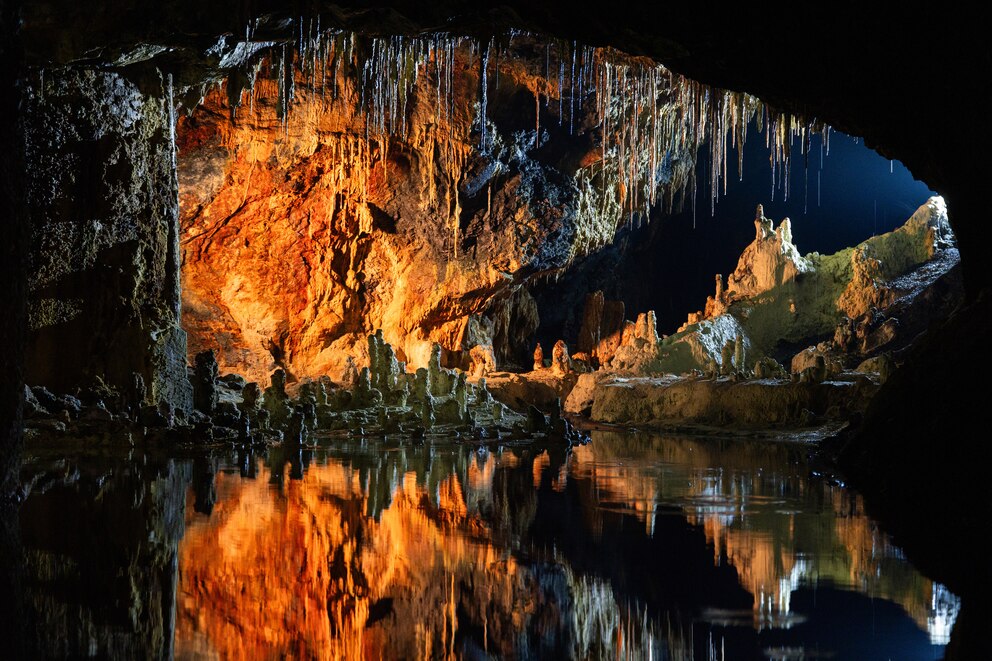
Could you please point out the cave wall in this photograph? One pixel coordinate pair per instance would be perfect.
(312, 216)
(104, 266)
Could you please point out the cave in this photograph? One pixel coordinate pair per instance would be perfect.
(492, 330)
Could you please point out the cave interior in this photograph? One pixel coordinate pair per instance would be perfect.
(274, 233)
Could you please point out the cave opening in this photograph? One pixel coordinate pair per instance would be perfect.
(289, 296)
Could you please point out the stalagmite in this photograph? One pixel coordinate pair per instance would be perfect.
(483, 360)
(275, 399)
(205, 382)
(561, 363)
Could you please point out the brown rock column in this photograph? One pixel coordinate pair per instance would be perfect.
(103, 198)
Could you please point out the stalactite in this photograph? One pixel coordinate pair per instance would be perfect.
(651, 123)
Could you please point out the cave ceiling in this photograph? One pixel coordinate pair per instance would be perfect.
(876, 74)
(914, 84)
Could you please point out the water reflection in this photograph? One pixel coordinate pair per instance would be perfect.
(633, 545)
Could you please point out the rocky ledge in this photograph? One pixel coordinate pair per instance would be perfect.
(748, 404)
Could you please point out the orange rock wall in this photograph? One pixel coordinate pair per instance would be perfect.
(300, 236)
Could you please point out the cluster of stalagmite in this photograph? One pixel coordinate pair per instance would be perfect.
(380, 398)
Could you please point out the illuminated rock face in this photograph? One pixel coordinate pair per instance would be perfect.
(301, 236)
(418, 186)
(776, 295)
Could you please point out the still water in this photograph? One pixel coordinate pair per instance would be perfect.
(634, 546)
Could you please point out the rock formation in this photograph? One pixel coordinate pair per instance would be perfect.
(770, 261)
(483, 360)
(777, 296)
(384, 399)
(561, 362)
(101, 188)
(312, 212)
(889, 113)
(205, 382)
(538, 357)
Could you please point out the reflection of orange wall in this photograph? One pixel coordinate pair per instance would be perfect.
(326, 564)
(227, 607)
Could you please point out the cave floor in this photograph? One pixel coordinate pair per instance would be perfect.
(638, 543)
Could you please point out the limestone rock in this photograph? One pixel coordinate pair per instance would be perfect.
(638, 348)
(880, 336)
(865, 289)
(701, 346)
(882, 365)
(275, 399)
(811, 357)
(538, 357)
(32, 407)
(775, 296)
(483, 360)
(815, 373)
(440, 378)
(844, 335)
(580, 398)
(561, 363)
(101, 195)
(350, 375)
(252, 397)
(540, 388)
(205, 382)
(770, 261)
(592, 321)
(363, 229)
(769, 368)
(741, 405)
